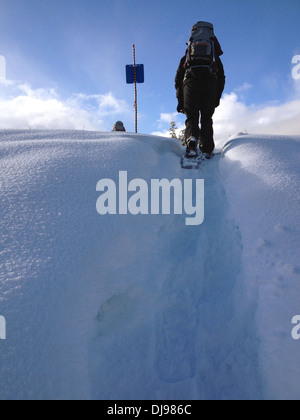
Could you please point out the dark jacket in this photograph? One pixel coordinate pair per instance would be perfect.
(184, 74)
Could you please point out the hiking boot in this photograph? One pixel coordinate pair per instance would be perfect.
(191, 145)
(205, 154)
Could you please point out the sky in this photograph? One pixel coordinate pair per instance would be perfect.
(65, 63)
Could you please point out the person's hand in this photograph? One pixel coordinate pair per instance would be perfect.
(180, 108)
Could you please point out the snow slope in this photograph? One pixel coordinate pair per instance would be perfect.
(145, 307)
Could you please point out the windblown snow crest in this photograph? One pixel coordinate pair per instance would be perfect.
(143, 306)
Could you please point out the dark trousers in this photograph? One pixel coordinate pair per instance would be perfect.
(200, 95)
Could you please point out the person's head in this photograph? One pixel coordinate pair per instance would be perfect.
(119, 126)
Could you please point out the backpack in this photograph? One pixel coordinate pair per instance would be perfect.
(201, 47)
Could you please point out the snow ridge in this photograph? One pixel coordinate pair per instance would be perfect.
(144, 307)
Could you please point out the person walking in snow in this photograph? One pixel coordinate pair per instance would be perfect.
(199, 83)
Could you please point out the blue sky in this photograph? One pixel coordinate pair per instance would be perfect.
(71, 54)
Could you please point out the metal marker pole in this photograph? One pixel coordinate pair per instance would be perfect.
(135, 91)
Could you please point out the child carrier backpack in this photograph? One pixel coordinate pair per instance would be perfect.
(201, 47)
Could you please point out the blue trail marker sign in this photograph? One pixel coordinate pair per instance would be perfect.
(140, 78)
(135, 74)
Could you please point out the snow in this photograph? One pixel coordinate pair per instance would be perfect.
(145, 307)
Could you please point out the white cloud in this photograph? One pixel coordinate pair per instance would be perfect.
(242, 90)
(106, 104)
(233, 116)
(167, 117)
(2, 68)
(164, 124)
(21, 107)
